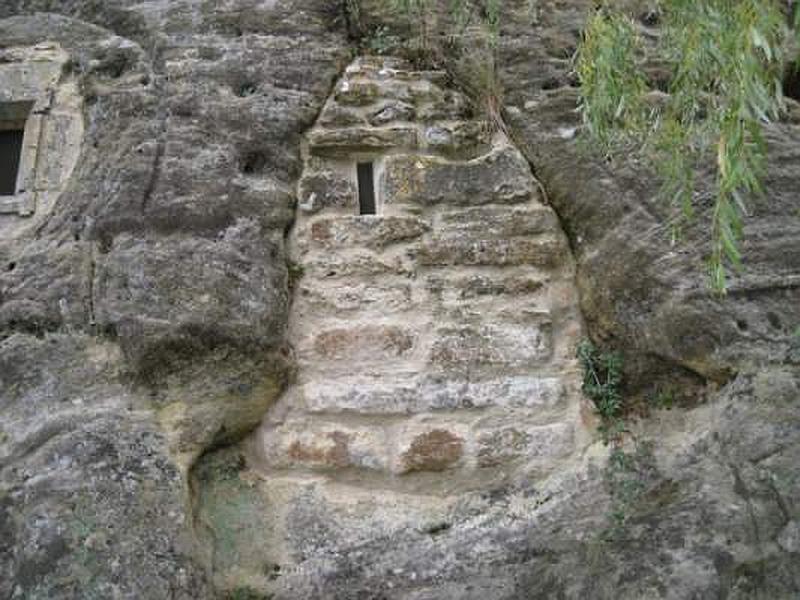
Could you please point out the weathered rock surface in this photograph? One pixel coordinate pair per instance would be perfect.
(145, 313)
(143, 306)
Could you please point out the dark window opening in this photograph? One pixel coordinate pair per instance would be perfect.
(366, 189)
(10, 153)
(791, 82)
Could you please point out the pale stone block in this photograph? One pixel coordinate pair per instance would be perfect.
(377, 299)
(500, 221)
(370, 231)
(500, 177)
(362, 138)
(356, 263)
(326, 188)
(363, 343)
(492, 346)
(529, 443)
(430, 448)
(363, 395)
(357, 93)
(302, 444)
(456, 249)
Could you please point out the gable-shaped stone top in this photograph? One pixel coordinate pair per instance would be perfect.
(380, 110)
(384, 104)
(37, 99)
(438, 335)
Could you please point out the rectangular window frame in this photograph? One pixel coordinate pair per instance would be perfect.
(19, 115)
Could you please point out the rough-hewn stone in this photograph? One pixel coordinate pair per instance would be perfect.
(434, 450)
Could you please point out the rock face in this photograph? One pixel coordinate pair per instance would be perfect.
(143, 301)
(219, 380)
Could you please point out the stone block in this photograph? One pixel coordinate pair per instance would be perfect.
(483, 222)
(430, 449)
(357, 93)
(457, 138)
(477, 286)
(392, 111)
(531, 444)
(334, 115)
(355, 139)
(454, 249)
(326, 189)
(363, 343)
(491, 346)
(366, 298)
(360, 395)
(370, 231)
(499, 177)
(376, 396)
(451, 106)
(357, 263)
(301, 444)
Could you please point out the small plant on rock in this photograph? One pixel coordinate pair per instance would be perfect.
(628, 475)
(381, 41)
(602, 378)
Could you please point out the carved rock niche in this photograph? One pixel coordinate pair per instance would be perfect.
(41, 127)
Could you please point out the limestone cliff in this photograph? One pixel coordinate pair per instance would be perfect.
(221, 376)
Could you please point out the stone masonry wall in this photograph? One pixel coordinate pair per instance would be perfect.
(435, 340)
(439, 334)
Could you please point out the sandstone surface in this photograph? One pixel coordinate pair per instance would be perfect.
(218, 380)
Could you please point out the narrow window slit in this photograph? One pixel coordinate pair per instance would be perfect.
(10, 153)
(366, 188)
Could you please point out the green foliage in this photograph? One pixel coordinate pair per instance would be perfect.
(381, 41)
(246, 593)
(627, 475)
(295, 272)
(631, 465)
(727, 58)
(602, 376)
(663, 398)
(611, 82)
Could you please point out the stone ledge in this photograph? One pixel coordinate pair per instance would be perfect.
(370, 231)
(354, 139)
(500, 177)
(360, 395)
(452, 250)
